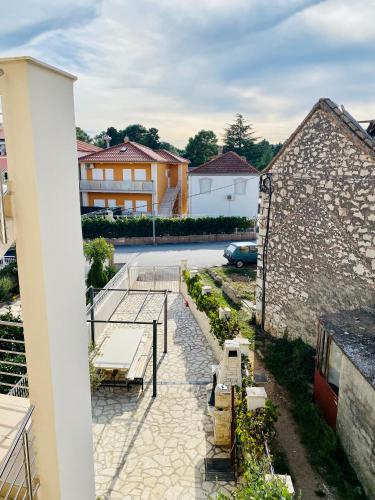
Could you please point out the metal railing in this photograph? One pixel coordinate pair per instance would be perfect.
(21, 389)
(7, 259)
(116, 186)
(12, 359)
(121, 273)
(18, 473)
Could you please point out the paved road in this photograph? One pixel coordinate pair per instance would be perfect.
(197, 254)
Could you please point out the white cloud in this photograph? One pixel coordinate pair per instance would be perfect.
(185, 65)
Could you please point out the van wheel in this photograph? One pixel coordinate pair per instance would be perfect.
(239, 263)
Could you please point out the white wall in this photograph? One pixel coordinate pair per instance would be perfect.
(39, 120)
(215, 203)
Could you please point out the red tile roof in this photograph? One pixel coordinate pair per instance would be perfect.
(126, 152)
(167, 155)
(87, 147)
(227, 163)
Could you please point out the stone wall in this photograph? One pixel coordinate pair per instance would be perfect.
(356, 423)
(321, 255)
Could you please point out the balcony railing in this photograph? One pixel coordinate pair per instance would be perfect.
(117, 186)
(18, 474)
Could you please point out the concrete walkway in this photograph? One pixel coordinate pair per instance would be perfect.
(149, 448)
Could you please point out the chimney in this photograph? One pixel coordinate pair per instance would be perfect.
(220, 150)
(107, 139)
(126, 139)
(243, 158)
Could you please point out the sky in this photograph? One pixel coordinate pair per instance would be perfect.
(186, 65)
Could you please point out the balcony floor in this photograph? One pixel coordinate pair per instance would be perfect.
(149, 448)
(13, 410)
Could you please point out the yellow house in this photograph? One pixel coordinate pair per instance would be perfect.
(135, 178)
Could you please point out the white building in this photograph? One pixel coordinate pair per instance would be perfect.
(226, 185)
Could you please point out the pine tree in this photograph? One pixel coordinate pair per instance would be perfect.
(238, 135)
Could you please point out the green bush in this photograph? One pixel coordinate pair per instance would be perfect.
(11, 271)
(223, 329)
(11, 333)
(6, 286)
(97, 252)
(292, 364)
(94, 227)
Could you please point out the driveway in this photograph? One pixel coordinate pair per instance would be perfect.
(197, 254)
(154, 448)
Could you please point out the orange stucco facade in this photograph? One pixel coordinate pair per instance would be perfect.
(163, 175)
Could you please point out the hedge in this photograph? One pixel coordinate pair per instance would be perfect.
(94, 227)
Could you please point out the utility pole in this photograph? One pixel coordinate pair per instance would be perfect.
(265, 186)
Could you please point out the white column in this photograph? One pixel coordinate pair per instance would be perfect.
(38, 114)
(155, 194)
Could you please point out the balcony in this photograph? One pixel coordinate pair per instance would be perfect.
(116, 186)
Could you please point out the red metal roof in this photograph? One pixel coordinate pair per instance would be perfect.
(126, 152)
(167, 155)
(87, 147)
(227, 163)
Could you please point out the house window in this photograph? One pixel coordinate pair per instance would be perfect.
(108, 174)
(99, 203)
(205, 185)
(128, 205)
(141, 205)
(127, 174)
(111, 203)
(329, 359)
(97, 174)
(240, 185)
(140, 174)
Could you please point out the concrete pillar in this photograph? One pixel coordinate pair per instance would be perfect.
(38, 113)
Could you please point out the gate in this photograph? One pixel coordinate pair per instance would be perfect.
(155, 278)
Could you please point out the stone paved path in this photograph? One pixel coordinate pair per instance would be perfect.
(149, 448)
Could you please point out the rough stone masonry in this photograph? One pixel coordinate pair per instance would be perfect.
(321, 253)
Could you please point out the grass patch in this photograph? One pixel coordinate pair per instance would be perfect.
(292, 364)
(217, 291)
(242, 280)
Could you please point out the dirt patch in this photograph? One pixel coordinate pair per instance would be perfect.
(306, 480)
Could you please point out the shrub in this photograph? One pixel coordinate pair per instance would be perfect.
(94, 227)
(97, 252)
(11, 271)
(11, 333)
(6, 286)
(223, 329)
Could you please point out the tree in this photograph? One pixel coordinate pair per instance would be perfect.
(82, 135)
(97, 252)
(135, 132)
(201, 148)
(238, 135)
(152, 139)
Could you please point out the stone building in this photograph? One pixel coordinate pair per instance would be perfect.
(318, 256)
(344, 385)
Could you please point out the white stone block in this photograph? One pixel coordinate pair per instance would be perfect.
(222, 396)
(206, 289)
(193, 272)
(244, 345)
(224, 313)
(230, 366)
(255, 397)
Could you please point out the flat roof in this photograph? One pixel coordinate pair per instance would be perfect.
(353, 332)
(36, 62)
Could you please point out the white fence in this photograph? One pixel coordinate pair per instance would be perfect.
(133, 277)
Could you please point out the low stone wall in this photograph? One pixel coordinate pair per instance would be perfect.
(203, 323)
(227, 288)
(193, 238)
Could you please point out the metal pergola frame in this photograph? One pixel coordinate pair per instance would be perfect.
(155, 322)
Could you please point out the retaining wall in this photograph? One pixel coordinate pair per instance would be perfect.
(192, 238)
